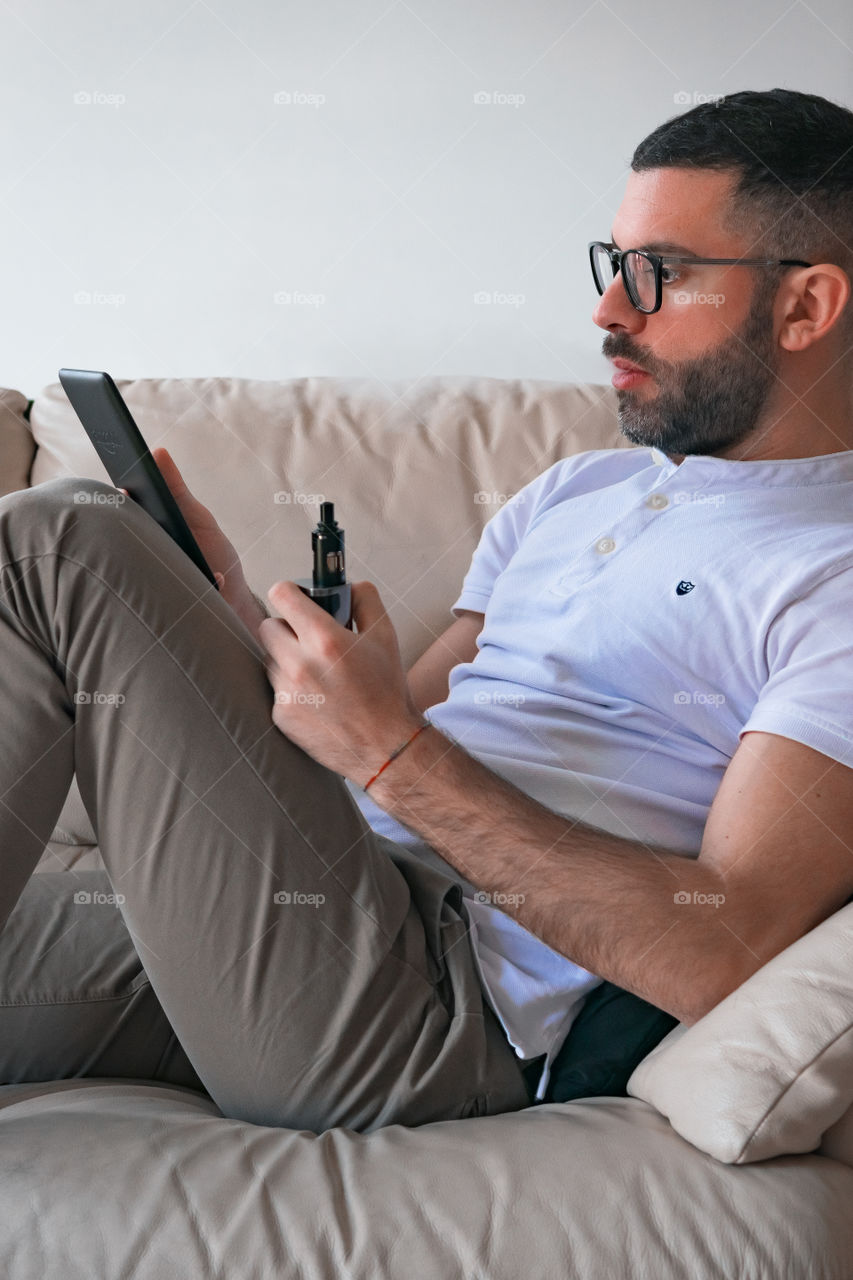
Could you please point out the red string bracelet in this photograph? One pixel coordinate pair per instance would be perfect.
(394, 754)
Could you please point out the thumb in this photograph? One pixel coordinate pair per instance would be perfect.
(367, 607)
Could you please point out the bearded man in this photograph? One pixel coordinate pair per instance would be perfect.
(617, 785)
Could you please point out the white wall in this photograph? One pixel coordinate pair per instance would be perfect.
(184, 205)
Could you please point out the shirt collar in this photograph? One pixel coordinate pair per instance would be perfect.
(790, 473)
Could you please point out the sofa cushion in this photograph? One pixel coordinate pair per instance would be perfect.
(769, 1070)
(16, 442)
(583, 1191)
(415, 470)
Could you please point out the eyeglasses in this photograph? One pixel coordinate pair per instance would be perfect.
(642, 271)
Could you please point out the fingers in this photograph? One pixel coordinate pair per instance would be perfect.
(193, 510)
(170, 471)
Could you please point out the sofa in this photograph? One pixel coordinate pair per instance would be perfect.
(732, 1153)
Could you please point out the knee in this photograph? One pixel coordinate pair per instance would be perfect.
(55, 507)
(77, 491)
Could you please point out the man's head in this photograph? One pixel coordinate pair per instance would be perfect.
(734, 350)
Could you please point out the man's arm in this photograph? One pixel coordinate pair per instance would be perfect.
(428, 677)
(680, 932)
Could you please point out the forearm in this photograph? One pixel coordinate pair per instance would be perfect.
(607, 903)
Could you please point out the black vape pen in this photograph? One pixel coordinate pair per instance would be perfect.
(328, 585)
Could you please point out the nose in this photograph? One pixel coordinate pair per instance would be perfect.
(614, 311)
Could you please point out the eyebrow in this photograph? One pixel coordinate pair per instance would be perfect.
(661, 246)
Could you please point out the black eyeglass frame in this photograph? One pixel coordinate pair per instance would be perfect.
(657, 260)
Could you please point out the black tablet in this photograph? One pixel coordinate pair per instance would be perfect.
(106, 419)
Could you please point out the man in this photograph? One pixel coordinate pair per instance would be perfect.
(636, 762)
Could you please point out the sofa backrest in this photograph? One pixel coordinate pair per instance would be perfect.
(415, 470)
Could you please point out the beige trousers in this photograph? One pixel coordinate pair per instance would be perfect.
(251, 935)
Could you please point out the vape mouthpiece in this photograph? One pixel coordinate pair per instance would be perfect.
(327, 516)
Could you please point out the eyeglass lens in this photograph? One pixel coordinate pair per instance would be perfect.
(638, 274)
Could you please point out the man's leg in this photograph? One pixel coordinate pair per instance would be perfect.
(315, 973)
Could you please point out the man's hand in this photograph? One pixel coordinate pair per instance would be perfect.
(219, 553)
(341, 697)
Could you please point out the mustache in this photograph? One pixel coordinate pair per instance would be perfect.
(621, 346)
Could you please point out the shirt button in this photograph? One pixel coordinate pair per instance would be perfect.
(605, 545)
(658, 501)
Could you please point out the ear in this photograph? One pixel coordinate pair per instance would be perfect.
(812, 301)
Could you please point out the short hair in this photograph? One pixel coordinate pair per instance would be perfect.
(792, 155)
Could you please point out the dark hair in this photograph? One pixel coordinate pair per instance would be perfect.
(793, 157)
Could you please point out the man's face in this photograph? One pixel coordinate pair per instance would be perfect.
(709, 354)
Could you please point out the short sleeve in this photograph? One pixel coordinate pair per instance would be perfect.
(498, 543)
(502, 535)
(809, 693)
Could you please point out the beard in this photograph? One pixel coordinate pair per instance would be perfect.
(708, 404)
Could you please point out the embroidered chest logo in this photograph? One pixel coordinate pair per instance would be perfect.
(683, 587)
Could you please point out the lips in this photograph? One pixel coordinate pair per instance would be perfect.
(628, 375)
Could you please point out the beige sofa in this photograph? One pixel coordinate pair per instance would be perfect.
(734, 1154)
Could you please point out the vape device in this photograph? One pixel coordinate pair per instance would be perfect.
(328, 585)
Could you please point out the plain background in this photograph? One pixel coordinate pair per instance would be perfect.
(417, 201)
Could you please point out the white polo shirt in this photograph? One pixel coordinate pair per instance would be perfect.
(640, 616)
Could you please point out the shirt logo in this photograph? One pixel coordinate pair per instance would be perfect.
(683, 587)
